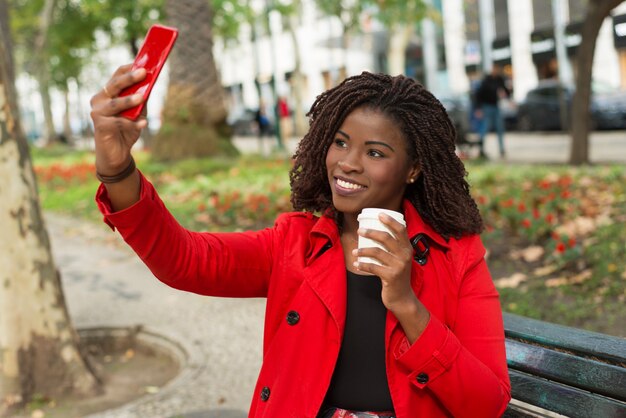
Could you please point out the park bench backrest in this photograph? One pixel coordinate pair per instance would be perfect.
(566, 370)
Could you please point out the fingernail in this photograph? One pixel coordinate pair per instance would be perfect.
(137, 96)
(355, 252)
(361, 231)
(356, 264)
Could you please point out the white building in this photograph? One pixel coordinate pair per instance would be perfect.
(471, 36)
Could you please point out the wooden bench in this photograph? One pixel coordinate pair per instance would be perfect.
(564, 370)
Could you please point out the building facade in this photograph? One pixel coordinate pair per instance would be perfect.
(446, 55)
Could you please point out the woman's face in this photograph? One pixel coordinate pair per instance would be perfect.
(367, 163)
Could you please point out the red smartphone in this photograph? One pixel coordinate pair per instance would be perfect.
(152, 55)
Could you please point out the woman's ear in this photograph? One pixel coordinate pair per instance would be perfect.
(414, 173)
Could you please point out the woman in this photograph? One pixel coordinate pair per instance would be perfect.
(419, 335)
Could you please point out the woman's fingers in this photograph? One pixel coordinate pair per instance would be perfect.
(127, 129)
(124, 78)
(114, 106)
(121, 79)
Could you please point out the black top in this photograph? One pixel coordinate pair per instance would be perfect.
(359, 381)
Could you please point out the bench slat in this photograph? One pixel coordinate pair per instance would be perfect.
(587, 343)
(588, 374)
(566, 400)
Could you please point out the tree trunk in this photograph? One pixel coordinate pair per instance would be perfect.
(597, 11)
(38, 346)
(399, 37)
(67, 125)
(297, 81)
(42, 72)
(194, 113)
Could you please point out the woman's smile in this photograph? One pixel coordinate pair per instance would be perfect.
(347, 187)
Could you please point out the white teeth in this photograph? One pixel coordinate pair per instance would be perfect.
(347, 185)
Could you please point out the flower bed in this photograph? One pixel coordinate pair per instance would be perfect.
(556, 236)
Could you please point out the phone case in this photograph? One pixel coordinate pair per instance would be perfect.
(152, 55)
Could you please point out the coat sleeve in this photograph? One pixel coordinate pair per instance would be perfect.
(464, 366)
(215, 264)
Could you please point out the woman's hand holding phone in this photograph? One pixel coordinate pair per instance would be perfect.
(115, 135)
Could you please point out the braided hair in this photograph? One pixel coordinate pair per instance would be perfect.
(440, 194)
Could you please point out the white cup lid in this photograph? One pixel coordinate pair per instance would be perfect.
(372, 213)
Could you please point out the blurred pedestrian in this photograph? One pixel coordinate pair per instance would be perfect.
(411, 328)
(284, 117)
(263, 124)
(491, 91)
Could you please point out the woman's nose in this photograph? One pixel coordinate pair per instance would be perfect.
(348, 165)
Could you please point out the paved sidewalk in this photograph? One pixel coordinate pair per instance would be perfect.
(106, 284)
(521, 147)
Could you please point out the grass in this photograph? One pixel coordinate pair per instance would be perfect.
(556, 235)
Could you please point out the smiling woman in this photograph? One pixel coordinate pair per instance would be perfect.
(417, 332)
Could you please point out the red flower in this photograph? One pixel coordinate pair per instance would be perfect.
(545, 184)
(536, 213)
(521, 208)
(571, 242)
(526, 223)
(555, 236)
(565, 194)
(201, 207)
(565, 181)
(482, 199)
(549, 218)
(560, 248)
(507, 203)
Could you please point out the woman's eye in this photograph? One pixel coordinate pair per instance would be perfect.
(375, 153)
(340, 143)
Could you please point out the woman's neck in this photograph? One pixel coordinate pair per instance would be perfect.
(350, 225)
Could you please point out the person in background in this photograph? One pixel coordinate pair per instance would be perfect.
(492, 89)
(417, 333)
(263, 124)
(284, 117)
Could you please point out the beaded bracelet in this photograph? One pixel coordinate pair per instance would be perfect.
(130, 169)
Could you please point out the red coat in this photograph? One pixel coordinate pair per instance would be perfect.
(457, 367)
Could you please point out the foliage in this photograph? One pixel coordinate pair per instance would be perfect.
(400, 12)
(556, 236)
(347, 11)
(125, 21)
(71, 39)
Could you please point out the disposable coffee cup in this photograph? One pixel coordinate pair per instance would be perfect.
(368, 219)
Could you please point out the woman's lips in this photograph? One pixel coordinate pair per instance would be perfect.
(346, 187)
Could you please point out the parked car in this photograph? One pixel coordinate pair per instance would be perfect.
(462, 113)
(244, 123)
(458, 109)
(541, 108)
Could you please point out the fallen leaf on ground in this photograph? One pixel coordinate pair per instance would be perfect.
(581, 277)
(532, 253)
(511, 282)
(556, 282)
(152, 389)
(545, 270)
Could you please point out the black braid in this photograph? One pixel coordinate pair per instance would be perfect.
(440, 194)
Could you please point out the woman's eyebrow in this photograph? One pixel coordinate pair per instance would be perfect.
(384, 144)
(339, 131)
